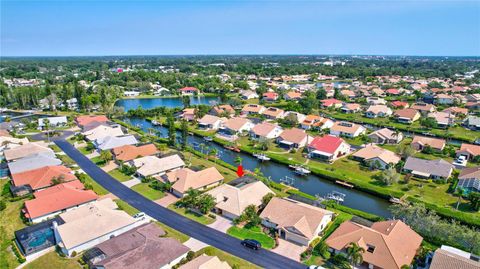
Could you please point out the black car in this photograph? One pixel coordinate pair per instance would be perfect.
(253, 244)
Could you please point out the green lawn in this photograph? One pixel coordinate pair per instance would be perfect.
(228, 174)
(55, 148)
(122, 205)
(252, 233)
(173, 233)
(84, 150)
(53, 260)
(67, 161)
(233, 261)
(203, 219)
(118, 175)
(97, 188)
(98, 161)
(148, 192)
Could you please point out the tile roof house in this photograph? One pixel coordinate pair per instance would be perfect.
(154, 166)
(293, 138)
(43, 177)
(449, 257)
(294, 117)
(443, 119)
(129, 152)
(457, 111)
(376, 101)
(188, 90)
(232, 200)
(187, 114)
(88, 119)
(249, 109)
(142, 247)
(374, 111)
(273, 113)
(375, 154)
(331, 103)
(386, 136)
(328, 148)
(222, 111)
(295, 221)
(7, 142)
(265, 131)
(76, 234)
(53, 121)
(183, 179)
(423, 108)
(407, 115)
(399, 104)
(435, 169)
(348, 129)
(32, 162)
(209, 122)
(103, 130)
(472, 122)
(468, 150)
(350, 107)
(387, 244)
(316, 122)
(469, 179)
(420, 142)
(247, 94)
(444, 99)
(235, 126)
(206, 262)
(110, 142)
(270, 96)
(57, 199)
(292, 95)
(26, 150)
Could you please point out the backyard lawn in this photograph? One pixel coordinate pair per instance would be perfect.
(252, 233)
(118, 175)
(233, 261)
(203, 219)
(53, 260)
(148, 192)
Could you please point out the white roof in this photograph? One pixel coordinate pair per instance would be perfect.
(53, 120)
(103, 130)
(152, 165)
(110, 142)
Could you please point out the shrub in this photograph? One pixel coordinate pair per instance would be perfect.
(3, 205)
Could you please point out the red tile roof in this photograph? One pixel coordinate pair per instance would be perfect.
(330, 102)
(130, 152)
(42, 177)
(270, 95)
(58, 197)
(327, 143)
(88, 119)
(188, 89)
(399, 104)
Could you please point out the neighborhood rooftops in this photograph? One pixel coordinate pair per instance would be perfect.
(87, 119)
(32, 162)
(427, 168)
(185, 178)
(326, 144)
(151, 165)
(205, 262)
(110, 142)
(27, 150)
(130, 152)
(43, 177)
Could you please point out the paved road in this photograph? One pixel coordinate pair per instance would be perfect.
(263, 258)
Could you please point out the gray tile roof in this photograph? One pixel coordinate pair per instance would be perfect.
(433, 167)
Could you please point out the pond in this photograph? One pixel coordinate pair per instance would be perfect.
(170, 102)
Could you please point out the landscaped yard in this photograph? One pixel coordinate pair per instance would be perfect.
(84, 150)
(173, 233)
(126, 207)
(199, 162)
(53, 260)
(97, 188)
(67, 161)
(203, 219)
(148, 192)
(252, 233)
(118, 175)
(98, 161)
(233, 261)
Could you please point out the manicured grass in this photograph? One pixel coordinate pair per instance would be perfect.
(252, 233)
(233, 261)
(173, 233)
(148, 192)
(84, 150)
(53, 260)
(203, 219)
(55, 148)
(126, 207)
(67, 161)
(97, 188)
(118, 175)
(228, 174)
(98, 161)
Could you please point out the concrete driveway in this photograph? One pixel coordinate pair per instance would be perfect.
(110, 166)
(221, 224)
(167, 200)
(194, 244)
(289, 249)
(132, 182)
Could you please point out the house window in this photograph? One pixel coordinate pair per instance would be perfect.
(370, 248)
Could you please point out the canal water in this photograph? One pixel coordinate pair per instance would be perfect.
(170, 102)
(311, 184)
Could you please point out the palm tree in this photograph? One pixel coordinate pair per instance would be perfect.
(46, 127)
(355, 253)
(213, 152)
(238, 160)
(460, 192)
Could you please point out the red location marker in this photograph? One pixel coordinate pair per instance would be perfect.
(240, 172)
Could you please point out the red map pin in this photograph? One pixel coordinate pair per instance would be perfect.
(240, 172)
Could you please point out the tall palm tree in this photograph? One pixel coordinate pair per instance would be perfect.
(355, 254)
(460, 192)
(238, 160)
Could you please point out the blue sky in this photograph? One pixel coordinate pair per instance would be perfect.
(96, 27)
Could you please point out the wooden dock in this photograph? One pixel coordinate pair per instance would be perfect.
(345, 184)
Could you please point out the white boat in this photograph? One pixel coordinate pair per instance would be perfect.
(154, 122)
(208, 138)
(336, 196)
(261, 157)
(302, 170)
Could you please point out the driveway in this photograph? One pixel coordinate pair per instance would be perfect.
(63, 134)
(289, 249)
(194, 244)
(167, 200)
(221, 224)
(132, 182)
(263, 258)
(110, 166)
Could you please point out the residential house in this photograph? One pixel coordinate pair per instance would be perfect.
(26, 150)
(447, 257)
(110, 142)
(376, 101)
(209, 122)
(327, 103)
(145, 246)
(187, 114)
(472, 123)
(43, 177)
(52, 122)
(434, 169)
(248, 94)
(386, 136)
(457, 111)
(379, 157)
(131, 93)
(231, 200)
(407, 115)
(235, 126)
(188, 91)
(328, 148)
(76, 234)
(423, 108)
(88, 119)
(273, 113)
(442, 119)
(350, 108)
(420, 142)
(294, 117)
(387, 244)
(316, 122)
(102, 130)
(295, 221)
(265, 131)
(378, 111)
(399, 104)
(253, 109)
(348, 93)
(270, 96)
(348, 129)
(184, 179)
(469, 151)
(469, 179)
(206, 262)
(292, 96)
(57, 199)
(153, 166)
(34, 161)
(393, 91)
(222, 111)
(127, 153)
(293, 138)
(444, 99)
(8, 142)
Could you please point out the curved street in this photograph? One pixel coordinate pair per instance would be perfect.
(263, 258)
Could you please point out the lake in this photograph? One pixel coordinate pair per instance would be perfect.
(170, 102)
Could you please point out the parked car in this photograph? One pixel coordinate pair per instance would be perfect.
(251, 243)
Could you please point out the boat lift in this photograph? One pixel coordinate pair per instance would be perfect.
(289, 181)
(336, 196)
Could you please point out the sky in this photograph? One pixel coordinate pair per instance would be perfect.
(148, 27)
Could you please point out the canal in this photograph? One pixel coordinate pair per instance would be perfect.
(170, 102)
